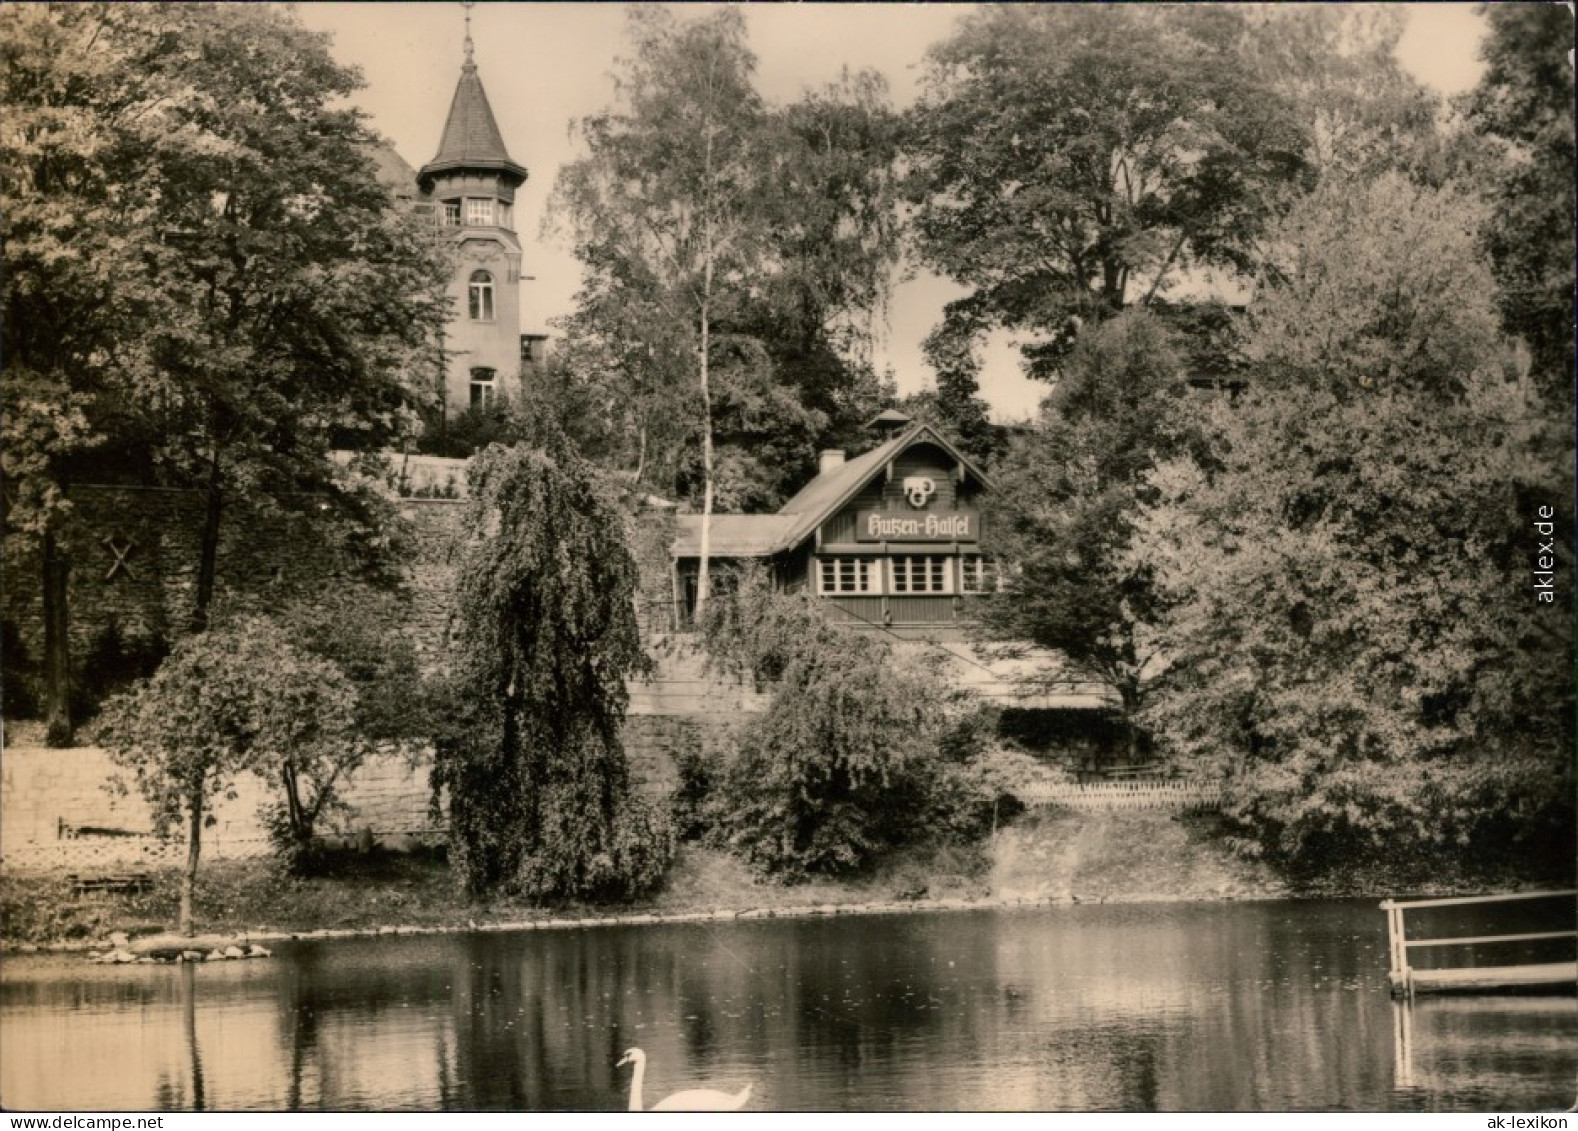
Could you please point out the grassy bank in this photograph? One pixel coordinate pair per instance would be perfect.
(418, 890)
(1053, 856)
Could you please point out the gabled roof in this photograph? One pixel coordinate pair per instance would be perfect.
(391, 169)
(761, 535)
(471, 135)
(819, 499)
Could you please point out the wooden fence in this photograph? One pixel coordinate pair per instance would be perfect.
(1139, 793)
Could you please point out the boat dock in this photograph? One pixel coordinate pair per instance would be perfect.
(1550, 977)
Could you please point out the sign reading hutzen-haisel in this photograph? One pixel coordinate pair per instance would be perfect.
(935, 526)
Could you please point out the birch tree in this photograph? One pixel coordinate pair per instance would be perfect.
(662, 205)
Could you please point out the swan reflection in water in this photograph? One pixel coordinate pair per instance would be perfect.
(694, 1099)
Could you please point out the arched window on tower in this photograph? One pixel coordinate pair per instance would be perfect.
(481, 305)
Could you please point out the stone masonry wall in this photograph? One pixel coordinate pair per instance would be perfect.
(135, 555)
(60, 809)
(135, 567)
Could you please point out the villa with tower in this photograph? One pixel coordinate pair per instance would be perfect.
(468, 190)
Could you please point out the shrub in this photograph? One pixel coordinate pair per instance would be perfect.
(363, 633)
(699, 775)
(857, 754)
(113, 663)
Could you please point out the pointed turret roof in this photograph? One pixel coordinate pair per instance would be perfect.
(471, 136)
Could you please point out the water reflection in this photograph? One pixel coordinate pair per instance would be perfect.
(1176, 1007)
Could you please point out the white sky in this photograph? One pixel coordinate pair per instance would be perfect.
(546, 64)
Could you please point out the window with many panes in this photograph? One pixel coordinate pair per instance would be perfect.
(479, 211)
(451, 213)
(849, 575)
(913, 573)
(481, 300)
(977, 574)
(483, 387)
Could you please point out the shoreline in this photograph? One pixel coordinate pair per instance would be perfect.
(1051, 859)
(561, 922)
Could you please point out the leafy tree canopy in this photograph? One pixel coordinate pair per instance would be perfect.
(714, 226)
(1066, 499)
(1524, 103)
(1069, 158)
(200, 264)
(1348, 602)
(1375, 284)
(236, 699)
(1337, 65)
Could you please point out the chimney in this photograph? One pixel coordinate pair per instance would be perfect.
(829, 459)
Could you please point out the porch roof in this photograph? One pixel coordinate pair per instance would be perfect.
(733, 535)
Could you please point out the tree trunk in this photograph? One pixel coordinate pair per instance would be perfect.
(300, 822)
(208, 562)
(1131, 708)
(706, 466)
(707, 252)
(194, 848)
(57, 644)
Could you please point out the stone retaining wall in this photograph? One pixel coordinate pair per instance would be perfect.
(135, 552)
(58, 808)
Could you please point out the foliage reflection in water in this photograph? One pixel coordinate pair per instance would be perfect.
(1270, 1006)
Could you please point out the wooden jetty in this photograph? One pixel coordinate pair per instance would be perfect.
(1552, 977)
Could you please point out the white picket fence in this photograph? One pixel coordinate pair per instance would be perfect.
(1139, 793)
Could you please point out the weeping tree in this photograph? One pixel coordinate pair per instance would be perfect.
(540, 800)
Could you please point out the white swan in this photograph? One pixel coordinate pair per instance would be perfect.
(696, 1099)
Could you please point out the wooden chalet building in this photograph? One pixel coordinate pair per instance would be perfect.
(889, 539)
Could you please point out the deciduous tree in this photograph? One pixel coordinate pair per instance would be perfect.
(300, 300)
(716, 228)
(199, 259)
(1350, 607)
(89, 109)
(1067, 496)
(235, 699)
(1069, 159)
(539, 792)
(1362, 112)
(1524, 103)
(662, 205)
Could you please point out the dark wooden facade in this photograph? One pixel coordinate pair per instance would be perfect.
(892, 539)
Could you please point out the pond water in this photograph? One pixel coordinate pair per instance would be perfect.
(1173, 1007)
